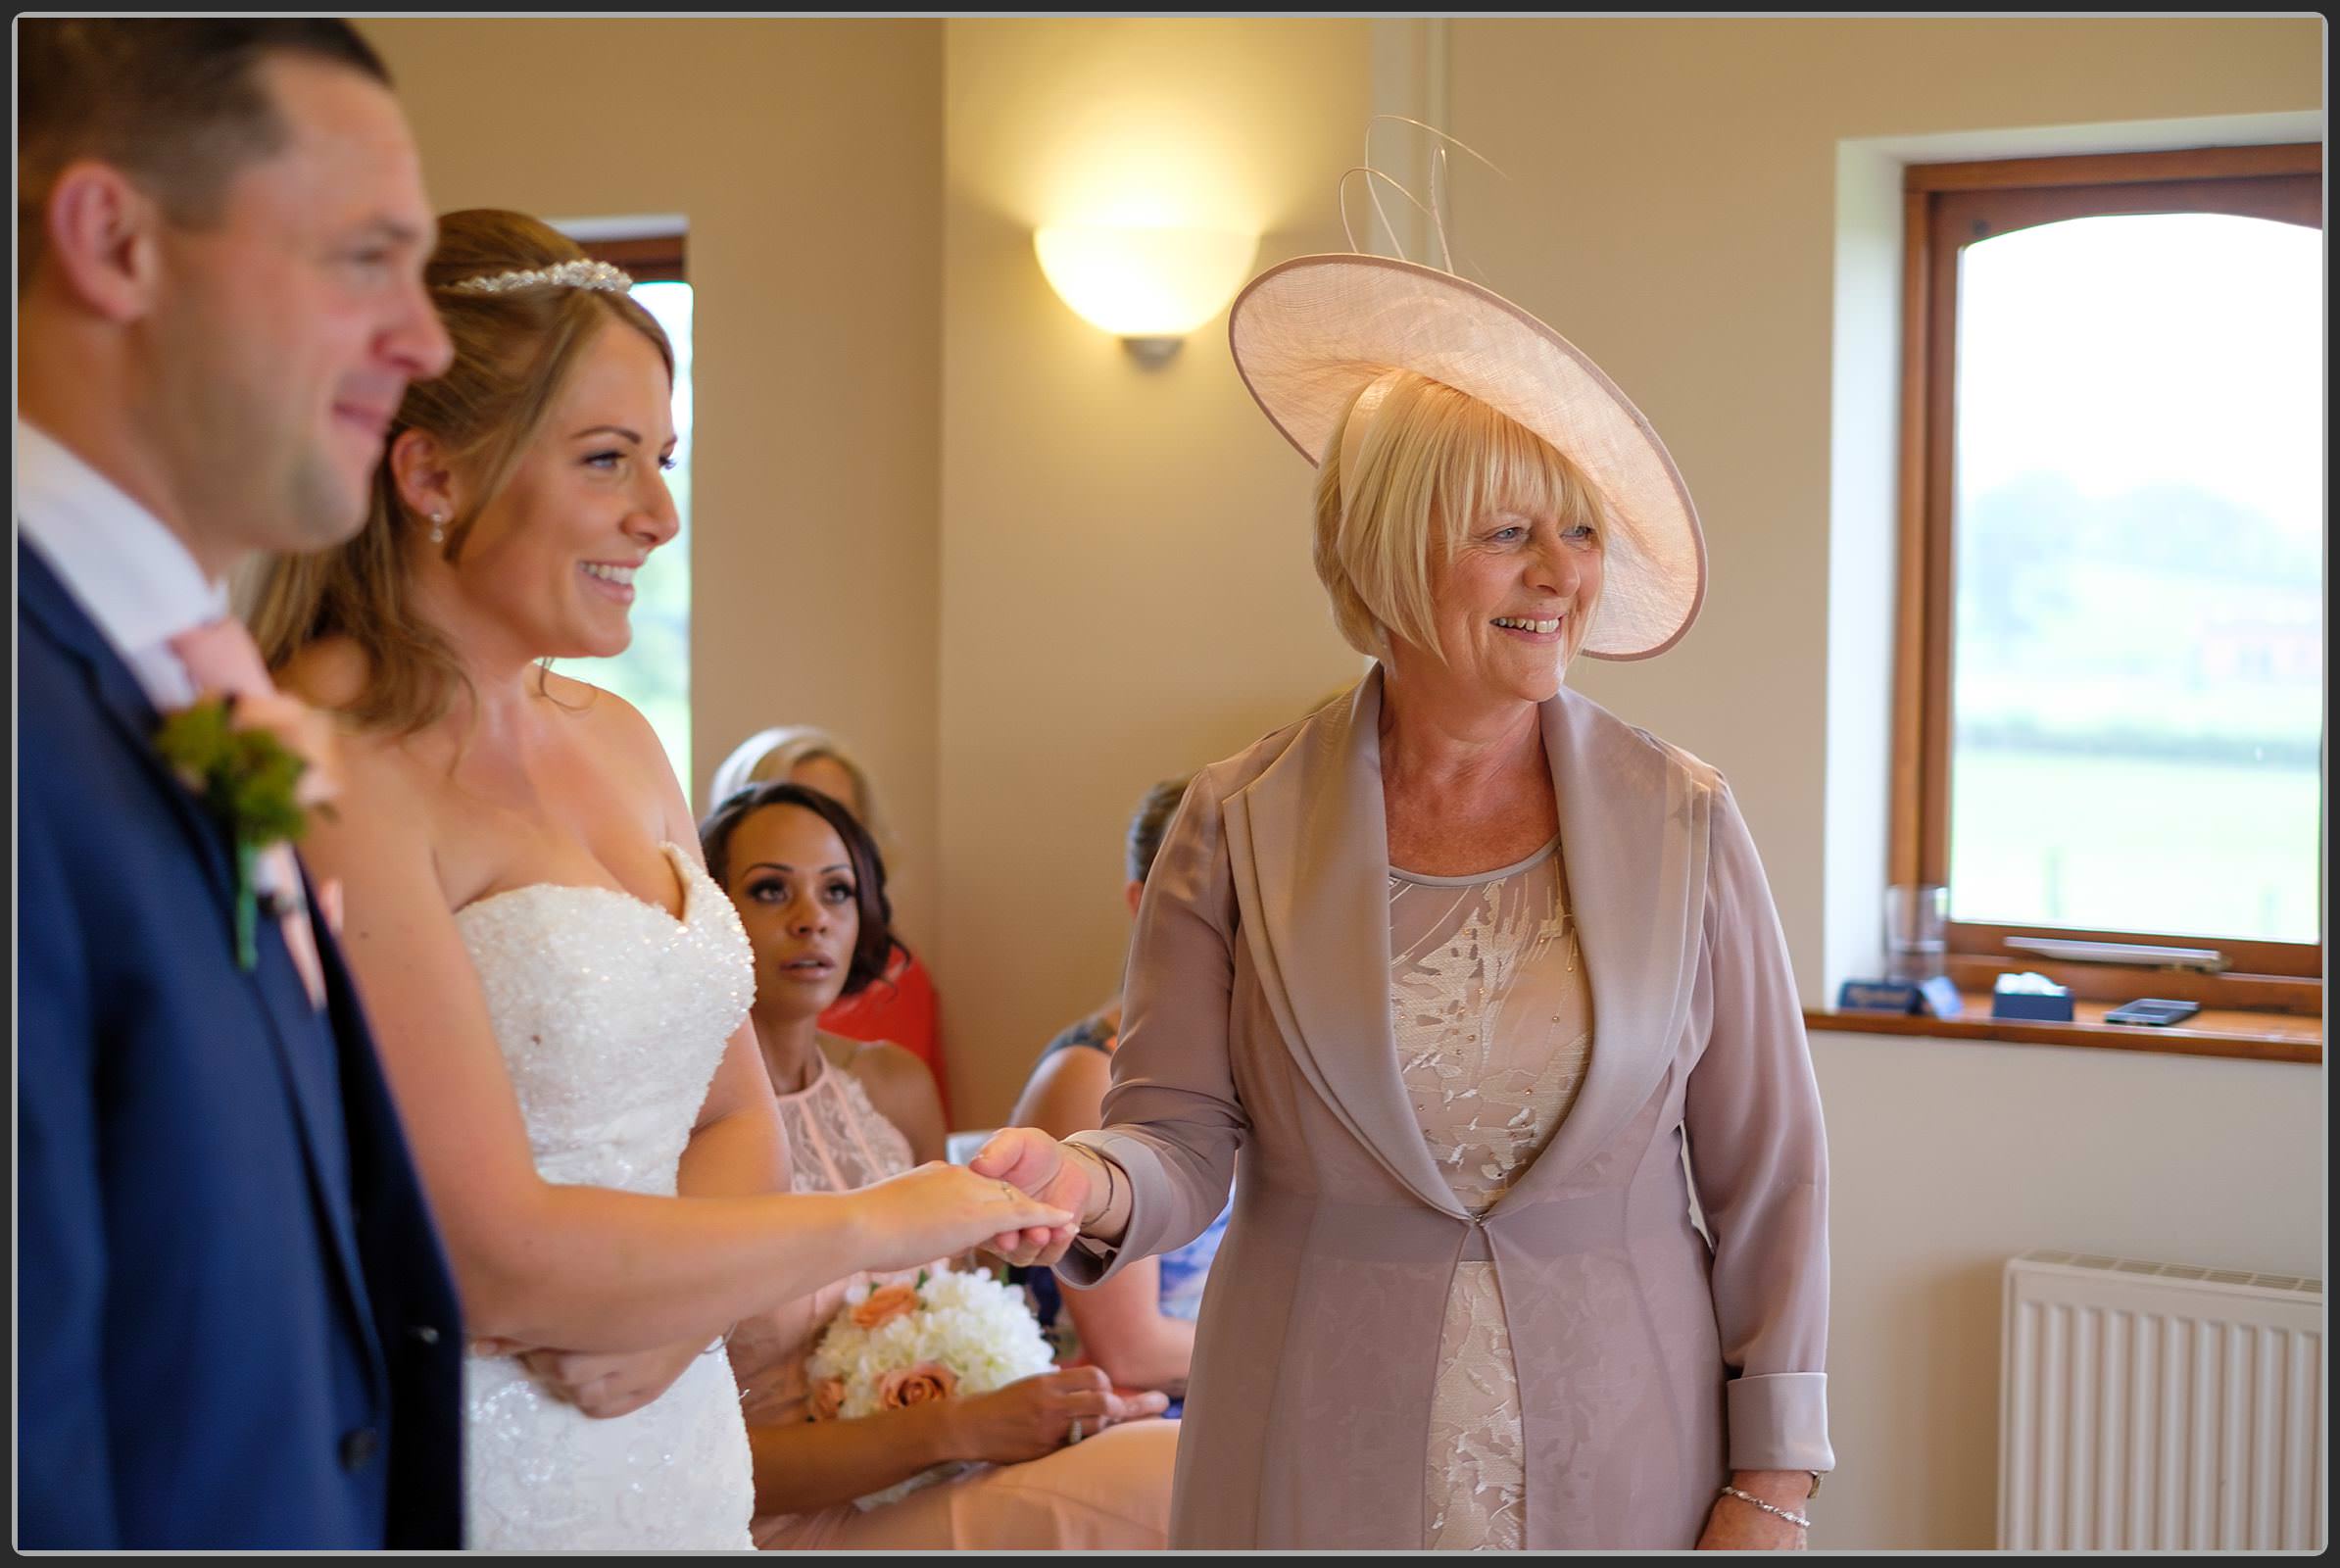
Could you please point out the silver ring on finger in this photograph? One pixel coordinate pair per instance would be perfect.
(1073, 1434)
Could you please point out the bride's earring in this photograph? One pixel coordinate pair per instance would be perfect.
(438, 527)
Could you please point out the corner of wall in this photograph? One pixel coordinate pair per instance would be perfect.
(1864, 412)
(1410, 80)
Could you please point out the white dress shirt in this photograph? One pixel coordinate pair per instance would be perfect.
(128, 571)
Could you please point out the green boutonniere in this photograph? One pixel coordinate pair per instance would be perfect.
(250, 780)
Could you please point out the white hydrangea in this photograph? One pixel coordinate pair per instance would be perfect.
(980, 1328)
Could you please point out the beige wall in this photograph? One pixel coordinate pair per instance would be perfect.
(1125, 589)
(1949, 1157)
(806, 156)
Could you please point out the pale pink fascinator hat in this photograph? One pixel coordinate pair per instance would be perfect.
(1317, 334)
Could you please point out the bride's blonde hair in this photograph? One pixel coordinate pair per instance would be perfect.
(514, 350)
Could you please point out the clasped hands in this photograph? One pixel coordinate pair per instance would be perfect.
(1037, 1165)
(618, 1382)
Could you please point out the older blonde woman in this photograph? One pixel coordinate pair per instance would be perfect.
(900, 1007)
(1449, 971)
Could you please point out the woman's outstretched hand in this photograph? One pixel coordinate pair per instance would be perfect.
(1030, 1161)
(939, 1209)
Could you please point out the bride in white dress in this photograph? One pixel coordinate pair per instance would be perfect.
(559, 993)
(613, 1015)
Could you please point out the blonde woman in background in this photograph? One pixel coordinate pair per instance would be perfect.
(899, 1006)
(558, 992)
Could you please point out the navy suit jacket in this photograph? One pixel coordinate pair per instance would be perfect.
(236, 1329)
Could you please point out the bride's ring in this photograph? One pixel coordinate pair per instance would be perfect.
(1073, 1434)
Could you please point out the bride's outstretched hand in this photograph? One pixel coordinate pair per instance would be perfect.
(1031, 1161)
(939, 1209)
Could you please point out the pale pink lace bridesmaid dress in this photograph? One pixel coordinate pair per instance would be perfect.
(1108, 1492)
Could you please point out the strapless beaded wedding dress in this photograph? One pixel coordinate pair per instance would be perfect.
(613, 1015)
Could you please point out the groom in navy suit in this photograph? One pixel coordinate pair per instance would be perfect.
(236, 1327)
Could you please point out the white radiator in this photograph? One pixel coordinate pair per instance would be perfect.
(2152, 1407)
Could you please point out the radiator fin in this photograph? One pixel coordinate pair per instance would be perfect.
(2158, 1406)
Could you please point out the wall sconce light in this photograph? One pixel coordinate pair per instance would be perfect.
(1149, 287)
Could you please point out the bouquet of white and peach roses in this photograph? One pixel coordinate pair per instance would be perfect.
(950, 1333)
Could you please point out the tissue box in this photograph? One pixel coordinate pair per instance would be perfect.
(2034, 998)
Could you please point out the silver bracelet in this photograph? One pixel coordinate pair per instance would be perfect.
(1795, 1519)
(1104, 1167)
(1111, 1170)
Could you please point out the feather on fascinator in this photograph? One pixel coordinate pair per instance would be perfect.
(1311, 334)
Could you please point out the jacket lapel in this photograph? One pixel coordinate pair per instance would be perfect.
(342, 1079)
(298, 1034)
(1310, 850)
(1633, 834)
(43, 599)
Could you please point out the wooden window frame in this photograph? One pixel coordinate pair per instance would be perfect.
(1942, 204)
(651, 258)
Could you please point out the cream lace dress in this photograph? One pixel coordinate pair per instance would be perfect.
(1494, 1024)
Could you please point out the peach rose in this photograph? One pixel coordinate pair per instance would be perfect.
(828, 1398)
(886, 1303)
(916, 1385)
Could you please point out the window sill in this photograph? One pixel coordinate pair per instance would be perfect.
(2211, 1032)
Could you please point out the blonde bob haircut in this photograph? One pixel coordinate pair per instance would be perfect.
(1431, 463)
(772, 756)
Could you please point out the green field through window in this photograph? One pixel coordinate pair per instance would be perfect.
(2137, 675)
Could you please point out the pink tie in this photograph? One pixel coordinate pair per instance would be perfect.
(221, 656)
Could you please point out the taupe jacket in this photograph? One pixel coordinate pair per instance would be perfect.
(1256, 1037)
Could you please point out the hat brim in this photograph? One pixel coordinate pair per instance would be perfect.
(1308, 335)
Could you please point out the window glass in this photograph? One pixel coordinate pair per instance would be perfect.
(653, 673)
(2137, 657)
